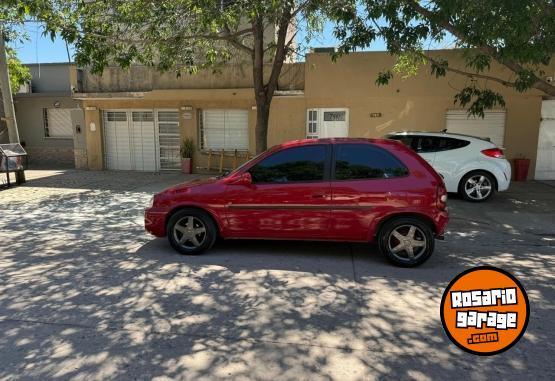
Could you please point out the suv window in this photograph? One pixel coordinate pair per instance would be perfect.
(365, 161)
(425, 144)
(297, 164)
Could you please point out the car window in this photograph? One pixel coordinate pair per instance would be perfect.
(446, 144)
(405, 139)
(365, 161)
(425, 144)
(297, 164)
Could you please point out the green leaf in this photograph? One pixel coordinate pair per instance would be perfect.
(383, 78)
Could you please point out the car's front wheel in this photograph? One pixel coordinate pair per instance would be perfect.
(191, 231)
(406, 241)
(477, 186)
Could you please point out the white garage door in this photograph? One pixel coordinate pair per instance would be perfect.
(117, 147)
(143, 141)
(130, 140)
(545, 163)
(492, 126)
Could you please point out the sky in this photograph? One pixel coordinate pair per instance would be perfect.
(41, 49)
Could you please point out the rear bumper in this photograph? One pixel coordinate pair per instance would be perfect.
(441, 219)
(155, 222)
(503, 176)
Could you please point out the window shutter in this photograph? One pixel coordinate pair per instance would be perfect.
(59, 123)
(225, 129)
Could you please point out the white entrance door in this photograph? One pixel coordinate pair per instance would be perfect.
(327, 123)
(492, 126)
(335, 123)
(545, 162)
(169, 139)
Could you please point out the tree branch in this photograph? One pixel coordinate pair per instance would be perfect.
(470, 74)
(539, 84)
(230, 37)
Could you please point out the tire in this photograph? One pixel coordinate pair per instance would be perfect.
(195, 239)
(397, 251)
(477, 186)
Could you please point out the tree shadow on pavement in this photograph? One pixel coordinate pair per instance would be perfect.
(85, 293)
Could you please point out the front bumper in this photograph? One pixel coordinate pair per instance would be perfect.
(155, 222)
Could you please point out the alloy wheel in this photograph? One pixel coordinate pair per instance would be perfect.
(407, 242)
(189, 232)
(477, 187)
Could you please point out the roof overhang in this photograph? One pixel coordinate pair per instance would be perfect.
(109, 96)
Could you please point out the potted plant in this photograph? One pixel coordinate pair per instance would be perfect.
(521, 165)
(187, 150)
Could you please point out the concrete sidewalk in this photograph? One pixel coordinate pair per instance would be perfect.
(85, 293)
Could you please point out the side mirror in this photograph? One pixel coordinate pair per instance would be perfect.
(242, 179)
(246, 179)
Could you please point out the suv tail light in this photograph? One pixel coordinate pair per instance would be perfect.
(494, 152)
(441, 201)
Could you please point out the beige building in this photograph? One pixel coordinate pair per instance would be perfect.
(136, 119)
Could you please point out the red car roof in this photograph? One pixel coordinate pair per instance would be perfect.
(301, 142)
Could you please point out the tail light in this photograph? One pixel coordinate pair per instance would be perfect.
(494, 152)
(441, 197)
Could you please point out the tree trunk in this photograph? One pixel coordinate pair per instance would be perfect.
(264, 92)
(261, 130)
(260, 95)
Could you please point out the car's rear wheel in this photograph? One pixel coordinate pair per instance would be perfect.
(406, 241)
(191, 231)
(477, 186)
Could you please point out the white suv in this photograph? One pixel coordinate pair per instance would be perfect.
(473, 167)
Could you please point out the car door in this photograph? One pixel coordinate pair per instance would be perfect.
(450, 156)
(367, 181)
(289, 196)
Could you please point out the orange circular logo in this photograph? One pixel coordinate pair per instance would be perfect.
(485, 310)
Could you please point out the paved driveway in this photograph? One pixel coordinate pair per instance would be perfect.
(85, 293)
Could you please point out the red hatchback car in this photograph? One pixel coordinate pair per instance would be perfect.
(357, 190)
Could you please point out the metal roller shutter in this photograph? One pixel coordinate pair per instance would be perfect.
(59, 123)
(492, 126)
(225, 129)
